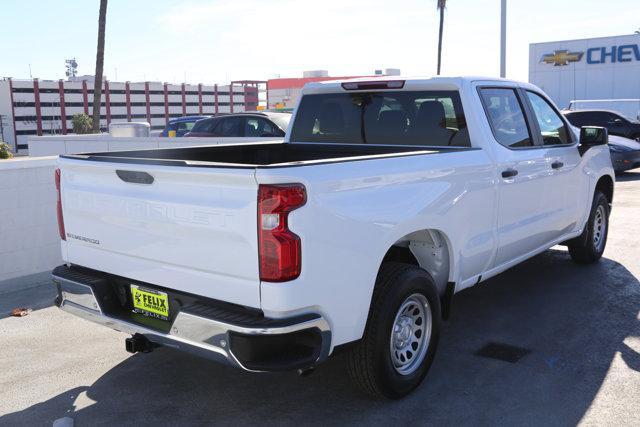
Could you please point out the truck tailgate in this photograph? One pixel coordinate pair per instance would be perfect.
(192, 229)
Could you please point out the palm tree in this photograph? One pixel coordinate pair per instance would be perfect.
(97, 86)
(441, 5)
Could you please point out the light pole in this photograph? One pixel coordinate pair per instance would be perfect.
(503, 38)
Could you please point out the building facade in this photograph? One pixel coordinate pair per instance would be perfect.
(46, 107)
(596, 68)
(284, 92)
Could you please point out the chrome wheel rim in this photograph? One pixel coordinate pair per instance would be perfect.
(410, 334)
(599, 228)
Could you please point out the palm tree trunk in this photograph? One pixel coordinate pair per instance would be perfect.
(441, 5)
(97, 87)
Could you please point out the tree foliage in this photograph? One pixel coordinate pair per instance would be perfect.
(5, 151)
(82, 123)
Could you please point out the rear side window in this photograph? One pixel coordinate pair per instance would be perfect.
(552, 127)
(204, 126)
(506, 117)
(231, 127)
(424, 118)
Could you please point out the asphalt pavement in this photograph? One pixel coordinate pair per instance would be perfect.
(576, 330)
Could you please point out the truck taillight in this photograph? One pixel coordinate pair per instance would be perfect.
(59, 207)
(279, 248)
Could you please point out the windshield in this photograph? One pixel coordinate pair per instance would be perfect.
(428, 118)
(281, 121)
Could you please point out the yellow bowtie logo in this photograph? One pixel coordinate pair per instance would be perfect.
(561, 57)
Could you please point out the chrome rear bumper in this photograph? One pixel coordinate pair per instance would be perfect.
(195, 333)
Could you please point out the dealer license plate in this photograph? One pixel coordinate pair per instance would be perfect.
(150, 302)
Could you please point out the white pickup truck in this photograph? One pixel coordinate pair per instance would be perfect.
(387, 197)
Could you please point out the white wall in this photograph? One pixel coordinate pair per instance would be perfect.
(29, 240)
(72, 144)
(610, 79)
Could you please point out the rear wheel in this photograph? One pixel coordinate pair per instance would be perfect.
(588, 248)
(402, 333)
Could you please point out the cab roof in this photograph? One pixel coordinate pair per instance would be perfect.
(410, 83)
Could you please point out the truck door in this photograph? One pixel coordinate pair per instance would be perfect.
(565, 197)
(522, 172)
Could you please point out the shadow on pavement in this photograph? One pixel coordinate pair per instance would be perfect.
(34, 298)
(628, 176)
(574, 319)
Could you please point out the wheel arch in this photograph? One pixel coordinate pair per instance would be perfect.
(429, 249)
(605, 184)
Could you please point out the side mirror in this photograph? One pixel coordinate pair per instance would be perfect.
(593, 135)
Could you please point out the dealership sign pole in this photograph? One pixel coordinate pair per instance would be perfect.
(503, 39)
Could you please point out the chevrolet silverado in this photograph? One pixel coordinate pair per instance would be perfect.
(387, 197)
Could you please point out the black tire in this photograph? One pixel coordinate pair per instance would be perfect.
(586, 248)
(370, 362)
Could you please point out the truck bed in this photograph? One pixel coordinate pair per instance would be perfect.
(259, 155)
(185, 218)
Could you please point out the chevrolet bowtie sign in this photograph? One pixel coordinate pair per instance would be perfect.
(594, 55)
(562, 57)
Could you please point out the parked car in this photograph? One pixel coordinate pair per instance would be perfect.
(386, 198)
(616, 123)
(181, 125)
(254, 124)
(625, 107)
(625, 153)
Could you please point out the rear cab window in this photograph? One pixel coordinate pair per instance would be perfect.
(421, 118)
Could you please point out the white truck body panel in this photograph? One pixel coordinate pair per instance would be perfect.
(194, 229)
(355, 214)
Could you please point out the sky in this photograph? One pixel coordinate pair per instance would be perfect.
(215, 41)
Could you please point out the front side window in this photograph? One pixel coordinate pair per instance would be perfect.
(506, 116)
(425, 118)
(552, 128)
(579, 119)
(184, 127)
(255, 127)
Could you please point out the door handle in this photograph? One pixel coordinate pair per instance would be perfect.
(556, 165)
(509, 173)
